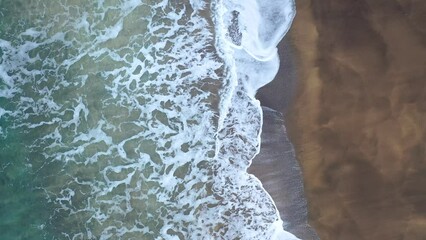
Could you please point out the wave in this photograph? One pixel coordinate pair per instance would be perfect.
(251, 32)
(137, 119)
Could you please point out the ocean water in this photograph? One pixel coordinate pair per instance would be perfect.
(135, 119)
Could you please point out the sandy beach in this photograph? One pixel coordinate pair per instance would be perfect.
(358, 117)
(277, 168)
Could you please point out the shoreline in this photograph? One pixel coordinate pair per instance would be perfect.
(278, 170)
(276, 165)
(280, 92)
(357, 119)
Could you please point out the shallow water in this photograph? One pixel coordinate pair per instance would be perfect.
(133, 119)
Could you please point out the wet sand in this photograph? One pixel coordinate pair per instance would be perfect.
(279, 171)
(358, 118)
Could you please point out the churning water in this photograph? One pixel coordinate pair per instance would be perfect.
(135, 119)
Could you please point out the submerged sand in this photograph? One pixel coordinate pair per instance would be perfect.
(358, 118)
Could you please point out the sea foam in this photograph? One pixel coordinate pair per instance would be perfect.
(138, 118)
(252, 32)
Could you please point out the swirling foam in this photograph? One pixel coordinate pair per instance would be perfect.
(139, 117)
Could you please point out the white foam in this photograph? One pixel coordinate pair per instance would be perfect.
(262, 24)
(150, 113)
(257, 27)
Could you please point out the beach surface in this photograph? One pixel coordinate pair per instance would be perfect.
(277, 168)
(358, 117)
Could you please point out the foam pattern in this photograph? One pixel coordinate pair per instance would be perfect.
(138, 116)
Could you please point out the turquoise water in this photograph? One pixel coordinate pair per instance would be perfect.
(129, 119)
(21, 203)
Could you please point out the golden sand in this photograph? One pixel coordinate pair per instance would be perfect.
(358, 120)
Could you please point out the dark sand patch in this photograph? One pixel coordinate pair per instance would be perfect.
(358, 119)
(279, 93)
(278, 170)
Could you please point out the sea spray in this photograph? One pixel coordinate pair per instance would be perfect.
(135, 119)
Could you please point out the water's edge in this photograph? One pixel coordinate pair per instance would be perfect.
(277, 168)
(129, 119)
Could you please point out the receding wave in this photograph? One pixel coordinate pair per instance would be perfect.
(136, 119)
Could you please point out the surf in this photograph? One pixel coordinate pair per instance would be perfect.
(138, 118)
